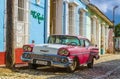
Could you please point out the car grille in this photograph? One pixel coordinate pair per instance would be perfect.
(55, 58)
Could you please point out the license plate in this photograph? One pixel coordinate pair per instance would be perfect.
(41, 62)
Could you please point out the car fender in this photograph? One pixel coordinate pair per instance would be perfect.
(90, 58)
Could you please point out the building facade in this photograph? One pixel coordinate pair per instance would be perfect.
(79, 17)
(98, 28)
(67, 17)
(35, 20)
(29, 22)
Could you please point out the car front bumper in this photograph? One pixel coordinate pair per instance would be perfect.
(49, 60)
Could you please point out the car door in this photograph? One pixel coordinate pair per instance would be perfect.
(82, 51)
(85, 52)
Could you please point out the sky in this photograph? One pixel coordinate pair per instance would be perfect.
(106, 6)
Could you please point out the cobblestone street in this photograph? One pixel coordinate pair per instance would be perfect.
(107, 67)
(115, 75)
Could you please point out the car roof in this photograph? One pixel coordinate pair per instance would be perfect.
(79, 37)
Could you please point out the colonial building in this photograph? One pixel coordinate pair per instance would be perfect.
(67, 17)
(79, 17)
(98, 28)
(37, 19)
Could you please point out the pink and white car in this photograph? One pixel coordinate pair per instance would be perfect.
(64, 51)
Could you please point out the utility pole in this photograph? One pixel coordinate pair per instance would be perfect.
(10, 57)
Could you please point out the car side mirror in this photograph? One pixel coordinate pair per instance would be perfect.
(95, 45)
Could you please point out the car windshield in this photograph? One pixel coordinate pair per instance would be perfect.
(60, 39)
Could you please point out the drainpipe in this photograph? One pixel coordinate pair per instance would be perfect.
(47, 20)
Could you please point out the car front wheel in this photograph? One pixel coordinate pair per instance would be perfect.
(73, 66)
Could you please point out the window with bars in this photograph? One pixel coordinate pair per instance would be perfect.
(21, 10)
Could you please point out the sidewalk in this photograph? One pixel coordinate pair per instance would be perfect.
(107, 57)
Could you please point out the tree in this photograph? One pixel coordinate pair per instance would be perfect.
(117, 30)
(10, 35)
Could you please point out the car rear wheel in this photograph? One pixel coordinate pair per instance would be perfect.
(90, 65)
(73, 66)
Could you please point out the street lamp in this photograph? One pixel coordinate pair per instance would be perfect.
(114, 8)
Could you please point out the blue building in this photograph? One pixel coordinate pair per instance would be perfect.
(29, 22)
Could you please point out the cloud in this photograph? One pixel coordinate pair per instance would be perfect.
(106, 5)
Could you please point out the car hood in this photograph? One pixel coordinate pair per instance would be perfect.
(47, 48)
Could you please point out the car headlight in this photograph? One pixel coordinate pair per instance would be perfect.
(27, 48)
(64, 60)
(63, 52)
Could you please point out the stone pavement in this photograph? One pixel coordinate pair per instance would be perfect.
(107, 67)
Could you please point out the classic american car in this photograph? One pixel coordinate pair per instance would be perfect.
(64, 51)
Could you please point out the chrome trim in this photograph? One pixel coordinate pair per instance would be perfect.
(59, 63)
(80, 53)
(44, 50)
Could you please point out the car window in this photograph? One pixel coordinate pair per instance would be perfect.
(51, 40)
(87, 43)
(82, 43)
(63, 40)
